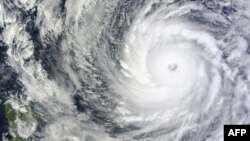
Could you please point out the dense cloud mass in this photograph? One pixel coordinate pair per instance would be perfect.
(123, 70)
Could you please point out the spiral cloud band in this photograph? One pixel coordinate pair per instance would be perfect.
(149, 54)
(142, 70)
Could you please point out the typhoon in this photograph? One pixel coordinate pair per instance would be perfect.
(123, 70)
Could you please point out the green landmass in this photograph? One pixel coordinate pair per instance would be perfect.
(12, 115)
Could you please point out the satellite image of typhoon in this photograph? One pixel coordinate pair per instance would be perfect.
(123, 70)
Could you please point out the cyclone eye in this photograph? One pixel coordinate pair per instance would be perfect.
(172, 67)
